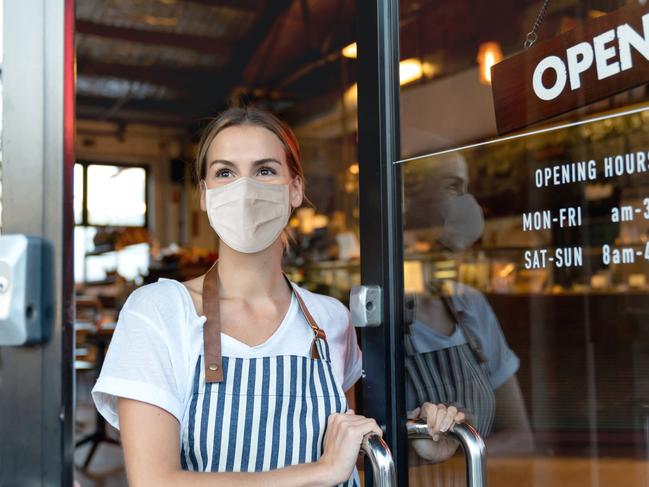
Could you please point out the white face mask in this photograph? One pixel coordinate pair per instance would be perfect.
(246, 214)
(463, 222)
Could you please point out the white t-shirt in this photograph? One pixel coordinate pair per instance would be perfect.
(159, 337)
(482, 323)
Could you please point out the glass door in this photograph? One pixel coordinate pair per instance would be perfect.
(537, 237)
(516, 288)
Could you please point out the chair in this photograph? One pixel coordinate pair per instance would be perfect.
(92, 333)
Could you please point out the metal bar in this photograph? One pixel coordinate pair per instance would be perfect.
(378, 453)
(472, 444)
(380, 225)
(68, 381)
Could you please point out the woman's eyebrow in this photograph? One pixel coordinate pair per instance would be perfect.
(453, 179)
(261, 162)
(222, 161)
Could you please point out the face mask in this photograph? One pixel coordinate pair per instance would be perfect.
(463, 222)
(246, 214)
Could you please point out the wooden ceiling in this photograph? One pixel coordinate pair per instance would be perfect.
(177, 62)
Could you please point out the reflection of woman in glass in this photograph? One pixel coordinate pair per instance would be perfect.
(457, 360)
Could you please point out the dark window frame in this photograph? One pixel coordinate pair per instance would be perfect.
(84, 199)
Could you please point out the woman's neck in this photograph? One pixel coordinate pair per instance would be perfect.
(250, 276)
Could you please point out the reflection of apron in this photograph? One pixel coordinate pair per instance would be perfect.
(456, 375)
(257, 414)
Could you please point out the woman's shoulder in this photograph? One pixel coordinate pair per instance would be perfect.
(162, 300)
(476, 310)
(466, 297)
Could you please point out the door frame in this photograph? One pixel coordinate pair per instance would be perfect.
(380, 221)
(37, 382)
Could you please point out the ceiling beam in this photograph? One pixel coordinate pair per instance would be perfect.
(322, 53)
(135, 117)
(177, 79)
(98, 108)
(210, 45)
(234, 4)
(233, 72)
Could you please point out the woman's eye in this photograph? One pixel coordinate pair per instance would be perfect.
(223, 173)
(457, 188)
(266, 171)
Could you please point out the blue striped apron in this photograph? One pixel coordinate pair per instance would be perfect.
(258, 414)
(455, 375)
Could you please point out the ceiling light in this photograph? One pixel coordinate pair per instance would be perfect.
(410, 70)
(349, 51)
(593, 14)
(160, 21)
(350, 97)
(488, 55)
(430, 69)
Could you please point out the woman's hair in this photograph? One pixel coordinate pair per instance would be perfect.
(257, 117)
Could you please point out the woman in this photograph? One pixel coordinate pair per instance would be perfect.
(239, 372)
(456, 353)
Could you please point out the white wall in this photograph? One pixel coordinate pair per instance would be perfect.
(449, 112)
(154, 147)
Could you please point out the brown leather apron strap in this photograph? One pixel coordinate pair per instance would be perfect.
(471, 339)
(317, 331)
(212, 327)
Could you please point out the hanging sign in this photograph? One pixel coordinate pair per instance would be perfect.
(600, 58)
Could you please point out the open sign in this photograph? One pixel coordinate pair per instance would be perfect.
(603, 54)
(602, 57)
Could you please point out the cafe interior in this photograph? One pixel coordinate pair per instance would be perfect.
(151, 73)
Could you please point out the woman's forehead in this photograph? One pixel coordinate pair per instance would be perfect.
(245, 143)
(440, 169)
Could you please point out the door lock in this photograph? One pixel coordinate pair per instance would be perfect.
(365, 304)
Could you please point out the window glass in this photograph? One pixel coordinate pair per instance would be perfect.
(116, 195)
(526, 259)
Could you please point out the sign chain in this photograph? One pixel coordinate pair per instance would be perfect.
(533, 35)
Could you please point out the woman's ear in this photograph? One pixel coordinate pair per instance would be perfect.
(202, 185)
(297, 191)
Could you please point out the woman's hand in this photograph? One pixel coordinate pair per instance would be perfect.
(439, 419)
(342, 443)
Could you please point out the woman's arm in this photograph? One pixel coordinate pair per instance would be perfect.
(152, 455)
(511, 432)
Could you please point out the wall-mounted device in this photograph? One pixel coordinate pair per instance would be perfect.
(365, 306)
(26, 290)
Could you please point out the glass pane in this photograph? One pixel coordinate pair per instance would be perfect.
(448, 102)
(116, 195)
(78, 194)
(526, 263)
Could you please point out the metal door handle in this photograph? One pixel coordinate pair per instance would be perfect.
(472, 444)
(378, 452)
